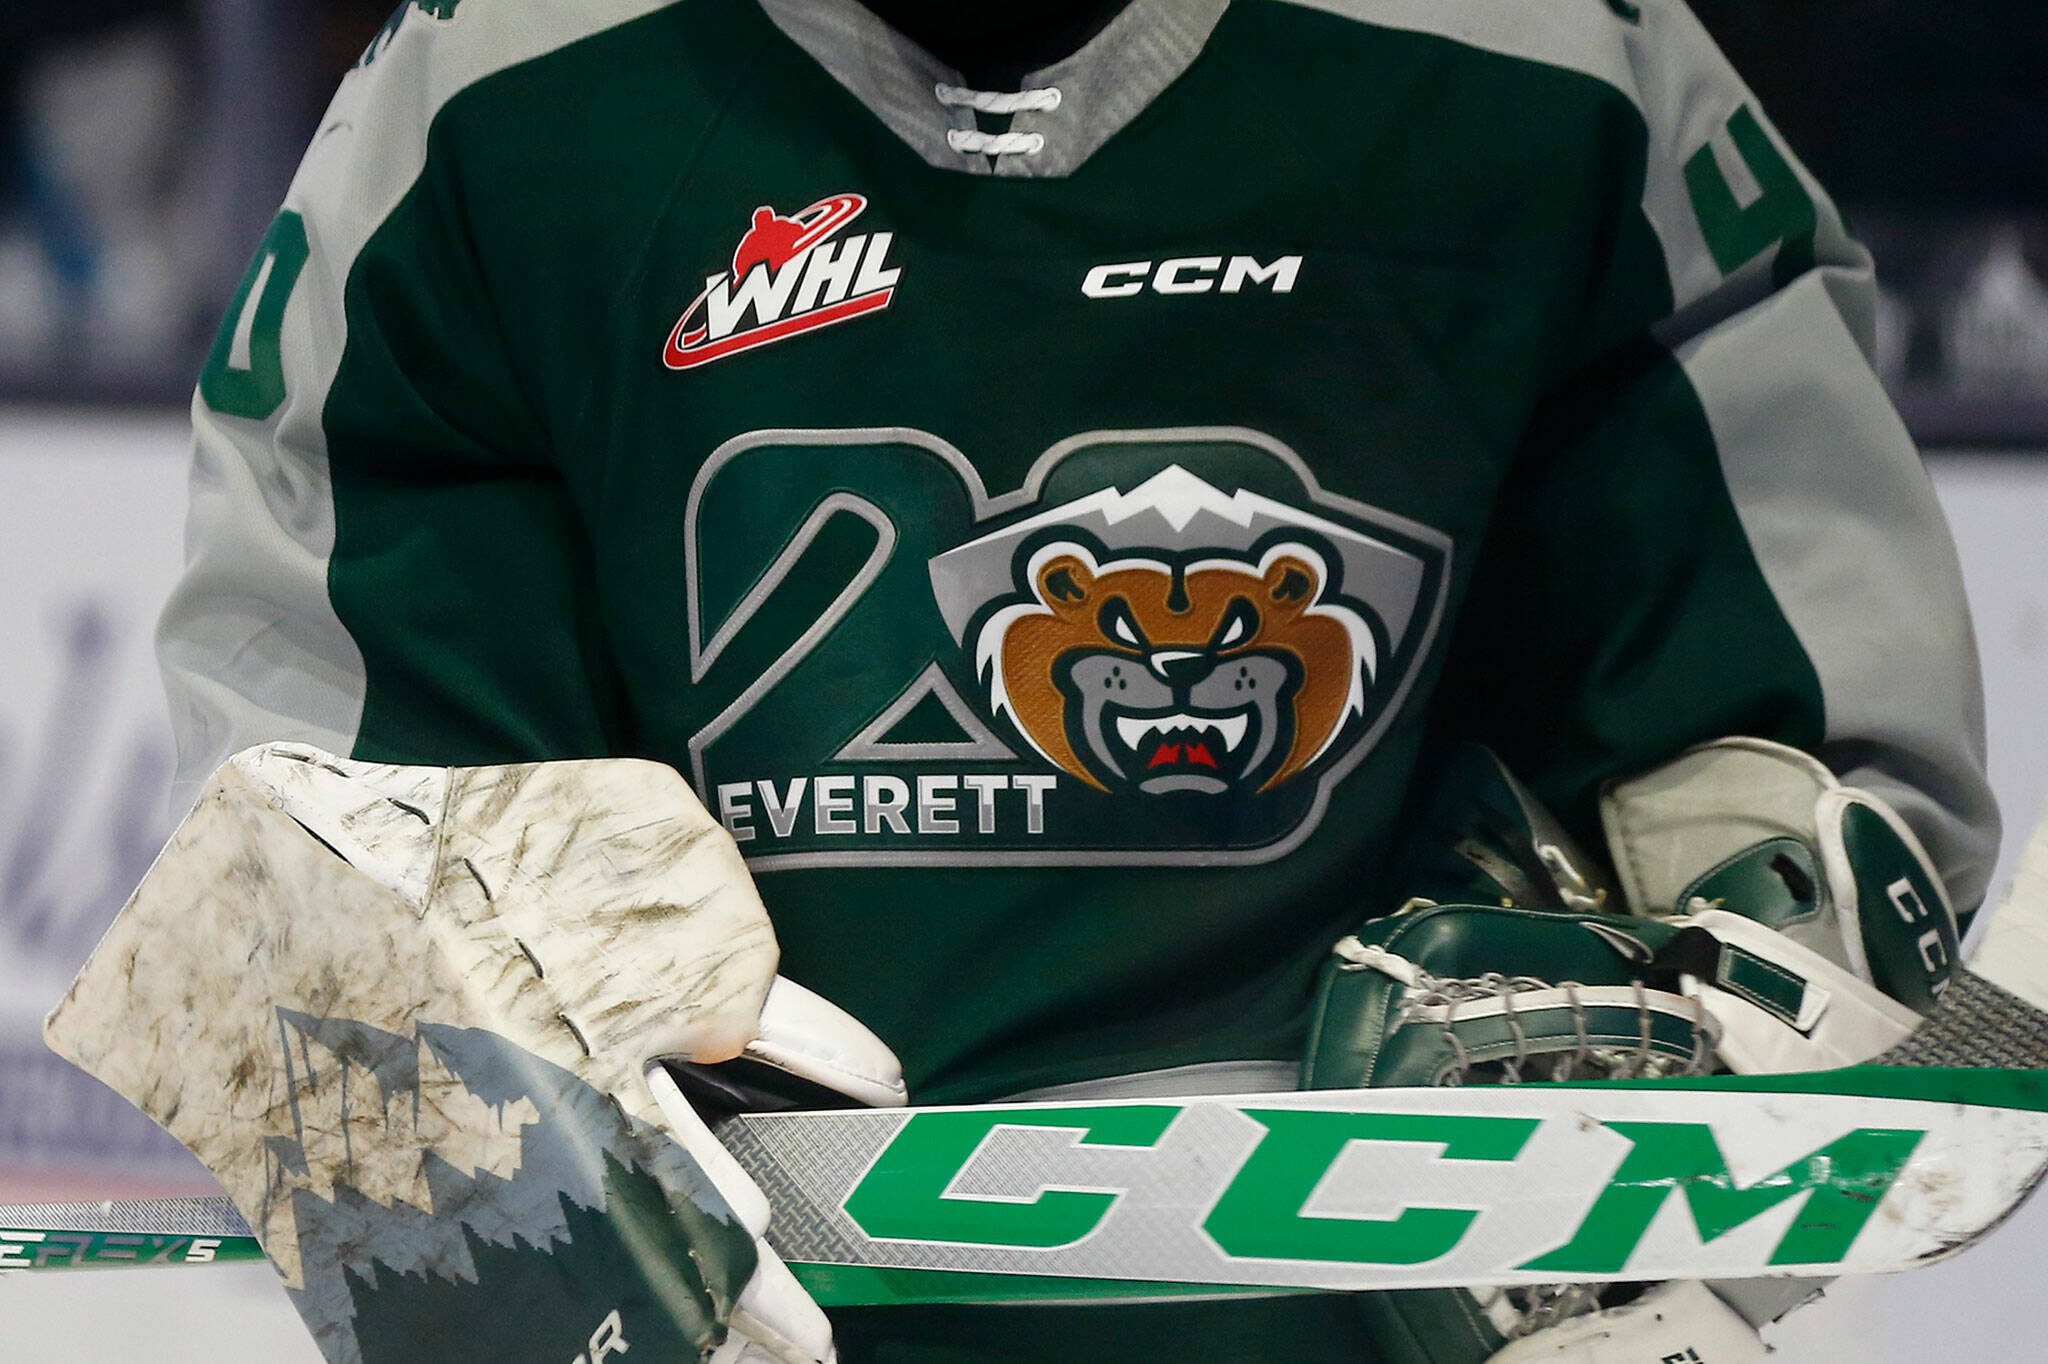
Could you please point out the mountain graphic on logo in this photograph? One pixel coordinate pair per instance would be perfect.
(791, 274)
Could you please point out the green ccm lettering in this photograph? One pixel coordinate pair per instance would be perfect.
(904, 1196)
(1260, 1217)
(1843, 1184)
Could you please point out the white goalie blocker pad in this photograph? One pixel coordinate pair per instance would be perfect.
(1669, 826)
(591, 914)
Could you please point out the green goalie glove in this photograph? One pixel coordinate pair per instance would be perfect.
(1766, 919)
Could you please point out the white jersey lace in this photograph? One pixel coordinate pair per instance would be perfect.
(1038, 100)
(1044, 99)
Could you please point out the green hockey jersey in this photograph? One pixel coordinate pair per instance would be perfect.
(1048, 526)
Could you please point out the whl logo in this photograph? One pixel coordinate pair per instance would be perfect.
(790, 275)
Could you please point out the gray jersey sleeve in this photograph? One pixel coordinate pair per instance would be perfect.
(253, 645)
(1721, 525)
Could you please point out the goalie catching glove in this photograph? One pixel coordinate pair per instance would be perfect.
(409, 1017)
(1774, 921)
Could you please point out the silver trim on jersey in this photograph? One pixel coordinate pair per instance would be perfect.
(873, 744)
(1113, 78)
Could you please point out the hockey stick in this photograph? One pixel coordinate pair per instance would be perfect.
(124, 1233)
(1871, 1169)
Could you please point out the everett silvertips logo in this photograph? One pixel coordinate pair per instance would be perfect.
(1172, 638)
(789, 276)
(1163, 647)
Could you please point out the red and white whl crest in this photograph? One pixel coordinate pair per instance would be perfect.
(790, 274)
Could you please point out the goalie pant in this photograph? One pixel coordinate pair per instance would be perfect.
(661, 378)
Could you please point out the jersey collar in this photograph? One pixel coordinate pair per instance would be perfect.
(1105, 85)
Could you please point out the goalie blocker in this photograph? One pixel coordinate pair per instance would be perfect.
(403, 1014)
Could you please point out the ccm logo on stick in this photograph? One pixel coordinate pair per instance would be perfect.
(1191, 275)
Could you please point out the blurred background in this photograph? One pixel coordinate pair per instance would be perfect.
(144, 145)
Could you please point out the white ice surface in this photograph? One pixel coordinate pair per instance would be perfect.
(232, 1315)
